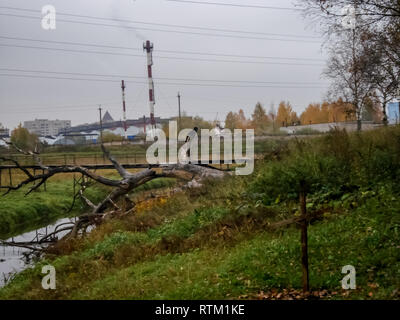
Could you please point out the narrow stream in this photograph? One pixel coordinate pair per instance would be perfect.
(13, 260)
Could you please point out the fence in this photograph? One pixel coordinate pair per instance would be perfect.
(11, 174)
(79, 159)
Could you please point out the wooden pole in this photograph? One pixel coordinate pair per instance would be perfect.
(44, 185)
(304, 241)
(179, 111)
(74, 186)
(101, 124)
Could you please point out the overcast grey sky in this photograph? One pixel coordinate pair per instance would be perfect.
(27, 98)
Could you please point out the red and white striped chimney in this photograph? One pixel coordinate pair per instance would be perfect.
(124, 108)
(148, 47)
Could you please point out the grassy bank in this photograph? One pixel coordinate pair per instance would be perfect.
(20, 213)
(227, 240)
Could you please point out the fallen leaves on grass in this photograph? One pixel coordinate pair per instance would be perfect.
(291, 294)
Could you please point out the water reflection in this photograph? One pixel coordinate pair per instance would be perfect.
(15, 259)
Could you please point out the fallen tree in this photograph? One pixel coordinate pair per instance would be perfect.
(193, 175)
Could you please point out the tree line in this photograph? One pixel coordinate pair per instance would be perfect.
(263, 121)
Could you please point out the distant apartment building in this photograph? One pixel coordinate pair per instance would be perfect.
(4, 132)
(45, 127)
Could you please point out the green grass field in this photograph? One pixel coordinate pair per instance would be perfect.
(20, 213)
(218, 253)
(222, 241)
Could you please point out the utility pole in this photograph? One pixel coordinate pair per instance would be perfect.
(179, 106)
(124, 108)
(101, 125)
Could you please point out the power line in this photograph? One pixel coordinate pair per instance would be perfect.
(158, 78)
(59, 78)
(160, 83)
(71, 73)
(239, 56)
(235, 5)
(168, 31)
(70, 108)
(71, 43)
(165, 25)
(30, 106)
(70, 50)
(111, 104)
(160, 50)
(160, 57)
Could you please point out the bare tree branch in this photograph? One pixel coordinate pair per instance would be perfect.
(121, 170)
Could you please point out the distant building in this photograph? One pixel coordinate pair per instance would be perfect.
(45, 127)
(107, 118)
(4, 132)
(64, 141)
(393, 113)
(134, 127)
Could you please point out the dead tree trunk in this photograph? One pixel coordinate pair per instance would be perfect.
(128, 182)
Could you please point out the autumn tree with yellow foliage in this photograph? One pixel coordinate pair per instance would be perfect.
(236, 120)
(23, 139)
(338, 111)
(286, 116)
(260, 120)
(188, 122)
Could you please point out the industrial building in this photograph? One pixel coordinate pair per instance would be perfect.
(45, 127)
(91, 131)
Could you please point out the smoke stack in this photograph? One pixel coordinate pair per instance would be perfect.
(124, 108)
(148, 47)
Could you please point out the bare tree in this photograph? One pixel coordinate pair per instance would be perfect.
(120, 187)
(378, 14)
(377, 25)
(349, 69)
(385, 73)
